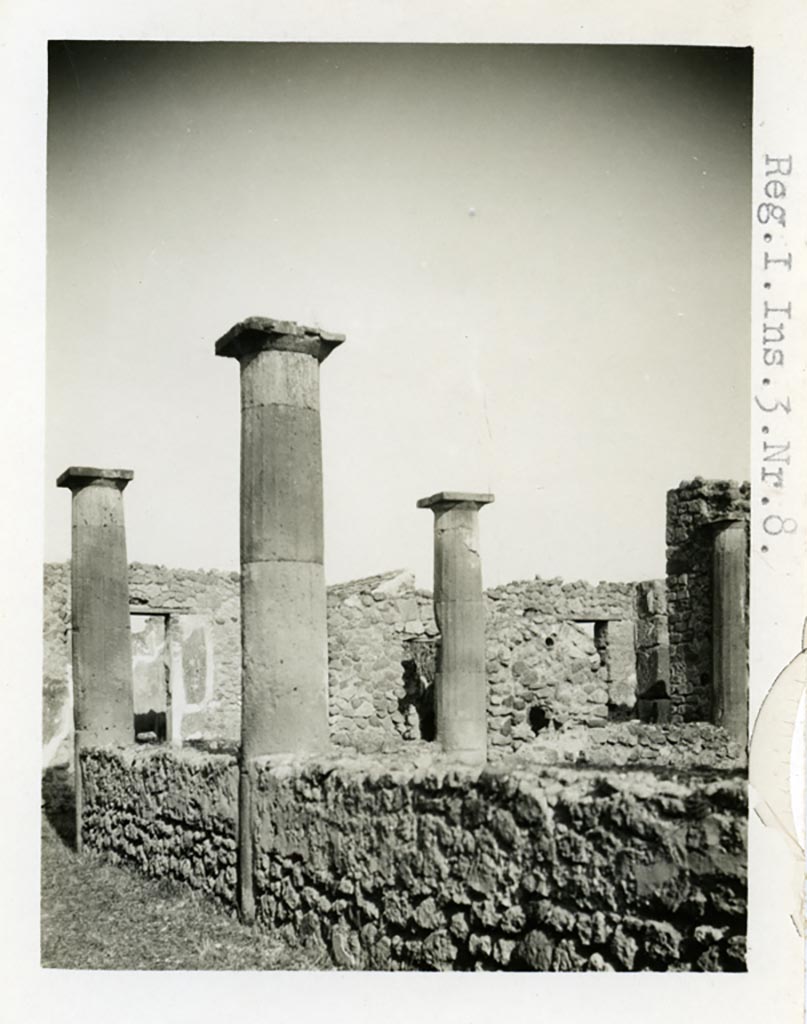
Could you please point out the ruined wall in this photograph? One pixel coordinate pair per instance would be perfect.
(692, 508)
(652, 652)
(199, 609)
(210, 641)
(168, 814)
(694, 745)
(57, 700)
(403, 863)
(373, 699)
(543, 667)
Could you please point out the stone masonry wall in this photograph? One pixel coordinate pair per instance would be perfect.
(168, 814)
(543, 667)
(652, 651)
(371, 624)
(693, 745)
(406, 863)
(692, 508)
(206, 619)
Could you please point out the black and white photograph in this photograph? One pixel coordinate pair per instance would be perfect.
(416, 418)
(529, 753)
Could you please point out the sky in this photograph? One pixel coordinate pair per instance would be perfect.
(540, 256)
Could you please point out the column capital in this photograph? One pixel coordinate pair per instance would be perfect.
(727, 523)
(76, 477)
(450, 499)
(262, 333)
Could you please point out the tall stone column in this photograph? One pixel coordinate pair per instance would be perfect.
(730, 628)
(284, 680)
(461, 683)
(103, 702)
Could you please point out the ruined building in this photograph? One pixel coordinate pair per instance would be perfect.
(544, 776)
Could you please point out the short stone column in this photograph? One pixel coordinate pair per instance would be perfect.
(284, 678)
(460, 683)
(103, 701)
(730, 628)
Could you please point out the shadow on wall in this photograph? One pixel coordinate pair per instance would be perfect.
(539, 718)
(417, 704)
(59, 803)
(151, 725)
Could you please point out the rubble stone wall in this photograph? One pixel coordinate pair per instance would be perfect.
(407, 863)
(372, 624)
(693, 745)
(170, 814)
(692, 509)
(545, 669)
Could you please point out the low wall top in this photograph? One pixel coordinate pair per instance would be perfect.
(258, 333)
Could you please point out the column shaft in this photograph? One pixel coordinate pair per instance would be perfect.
(101, 635)
(461, 683)
(285, 647)
(103, 699)
(730, 630)
(284, 659)
(283, 614)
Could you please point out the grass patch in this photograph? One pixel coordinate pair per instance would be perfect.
(98, 916)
